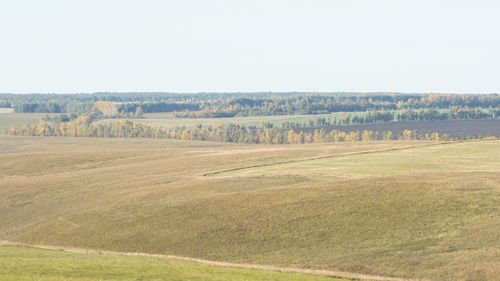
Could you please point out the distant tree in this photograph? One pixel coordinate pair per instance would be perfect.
(139, 112)
(106, 108)
(291, 136)
(367, 135)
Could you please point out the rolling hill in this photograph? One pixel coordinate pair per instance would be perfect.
(406, 209)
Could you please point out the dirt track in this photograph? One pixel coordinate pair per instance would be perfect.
(217, 263)
(330, 156)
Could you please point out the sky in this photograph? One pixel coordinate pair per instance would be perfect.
(75, 46)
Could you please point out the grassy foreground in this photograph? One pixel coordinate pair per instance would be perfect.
(413, 210)
(23, 263)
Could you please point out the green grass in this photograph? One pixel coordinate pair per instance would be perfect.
(23, 263)
(431, 211)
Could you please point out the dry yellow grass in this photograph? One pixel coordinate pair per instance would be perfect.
(418, 212)
(6, 110)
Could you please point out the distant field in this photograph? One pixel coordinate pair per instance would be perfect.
(8, 120)
(6, 110)
(169, 119)
(23, 263)
(405, 209)
(455, 128)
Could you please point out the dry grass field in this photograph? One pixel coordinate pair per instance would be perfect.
(6, 110)
(406, 209)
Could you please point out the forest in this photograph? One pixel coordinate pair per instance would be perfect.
(119, 115)
(123, 128)
(246, 104)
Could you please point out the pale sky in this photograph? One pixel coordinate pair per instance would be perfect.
(68, 46)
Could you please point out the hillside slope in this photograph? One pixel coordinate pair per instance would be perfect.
(415, 210)
(26, 263)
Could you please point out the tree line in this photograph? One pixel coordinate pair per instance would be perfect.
(308, 105)
(5, 104)
(212, 105)
(427, 114)
(86, 107)
(53, 107)
(83, 127)
(150, 107)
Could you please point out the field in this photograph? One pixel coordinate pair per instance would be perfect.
(455, 128)
(168, 119)
(417, 210)
(6, 110)
(23, 263)
(9, 119)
